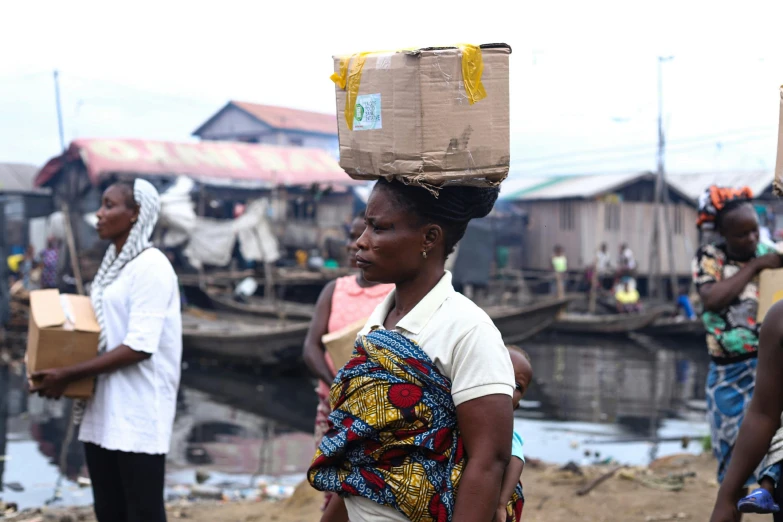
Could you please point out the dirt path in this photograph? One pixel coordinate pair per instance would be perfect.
(630, 495)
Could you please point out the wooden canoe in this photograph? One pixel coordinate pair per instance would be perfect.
(606, 324)
(675, 327)
(257, 306)
(519, 323)
(265, 341)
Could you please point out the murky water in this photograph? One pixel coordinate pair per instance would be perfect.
(608, 397)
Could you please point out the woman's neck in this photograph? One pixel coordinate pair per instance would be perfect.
(120, 241)
(409, 293)
(362, 282)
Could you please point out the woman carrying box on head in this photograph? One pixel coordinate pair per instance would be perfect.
(726, 277)
(126, 426)
(427, 397)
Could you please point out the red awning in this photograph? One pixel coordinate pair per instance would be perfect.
(212, 162)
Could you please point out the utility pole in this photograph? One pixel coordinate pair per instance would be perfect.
(59, 109)
(657, 287)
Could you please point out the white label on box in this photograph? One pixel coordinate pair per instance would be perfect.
(367, 113)
(383, 62)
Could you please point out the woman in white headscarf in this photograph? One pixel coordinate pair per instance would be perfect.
(126, 425)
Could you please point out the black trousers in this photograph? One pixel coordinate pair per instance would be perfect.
(126, 487)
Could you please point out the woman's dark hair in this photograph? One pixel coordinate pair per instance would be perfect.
(729, 207)
(452, 209)
(127, 187)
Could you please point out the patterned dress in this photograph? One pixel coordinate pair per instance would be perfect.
(732, 342)
(394, 437)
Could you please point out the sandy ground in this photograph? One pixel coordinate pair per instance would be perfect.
(676, 488)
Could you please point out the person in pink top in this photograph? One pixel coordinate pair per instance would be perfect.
(342, 302)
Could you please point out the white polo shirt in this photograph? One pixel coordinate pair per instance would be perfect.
(460, 338)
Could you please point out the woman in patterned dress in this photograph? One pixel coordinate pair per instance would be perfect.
(342, 302)
(726, 277)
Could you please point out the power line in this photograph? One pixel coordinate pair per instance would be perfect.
(629, 148)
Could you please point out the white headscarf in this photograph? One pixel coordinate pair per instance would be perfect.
(145, 195)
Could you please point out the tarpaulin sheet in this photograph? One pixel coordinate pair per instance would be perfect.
(212, 241)
(211, 162)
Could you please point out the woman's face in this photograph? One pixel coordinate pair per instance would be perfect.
(115, 217)
(740, 229)
(389, 249)
(357, 228)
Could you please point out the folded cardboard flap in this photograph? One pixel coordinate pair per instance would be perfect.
(45, 308)
(339, 344)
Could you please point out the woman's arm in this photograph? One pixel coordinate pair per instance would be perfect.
(486, 424)
(510, 481)
(763, 416)
(313, 350)
(717, 296)
(52, 383)
(152, 290)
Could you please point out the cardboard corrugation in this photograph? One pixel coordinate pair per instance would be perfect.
(770, 291)
(431, 135)
(777, 186)
(57, 339)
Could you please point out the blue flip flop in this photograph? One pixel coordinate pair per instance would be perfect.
(759, 502)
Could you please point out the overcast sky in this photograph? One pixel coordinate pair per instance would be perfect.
(583, 74)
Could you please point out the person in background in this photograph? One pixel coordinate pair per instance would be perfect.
(50, 257)
(523, 377)
(26, 266)
(626, 262)
(725, 274)
(428, 393)
(560, 267)
(603, 267)
(684, 304)
(342, 302)
(628, 299)
(126, 426)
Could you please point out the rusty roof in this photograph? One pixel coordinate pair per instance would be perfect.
(282, 118)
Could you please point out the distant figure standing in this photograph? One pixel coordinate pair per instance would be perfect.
(603, 267)
(50, 256)
(127, 424)
(560, 266)
(626, 262)
(684, 305)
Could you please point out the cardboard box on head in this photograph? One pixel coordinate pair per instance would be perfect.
(425, 116)
(63, 331)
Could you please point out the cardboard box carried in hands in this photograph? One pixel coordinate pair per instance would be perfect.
(426, 116)
(63, 331)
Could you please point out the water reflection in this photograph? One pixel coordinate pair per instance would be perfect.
(608, 395)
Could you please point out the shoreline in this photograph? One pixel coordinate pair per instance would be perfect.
(678, 487)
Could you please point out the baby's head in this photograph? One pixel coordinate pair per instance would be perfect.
(523, 372)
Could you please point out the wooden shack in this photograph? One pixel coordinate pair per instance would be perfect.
(580, 213)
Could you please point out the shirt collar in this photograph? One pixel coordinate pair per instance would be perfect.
(415, 320)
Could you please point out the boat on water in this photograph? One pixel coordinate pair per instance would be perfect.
(517, 323)
(606, 324)
(675, 327)
(223, 299)
(243, 337)
(252, 336)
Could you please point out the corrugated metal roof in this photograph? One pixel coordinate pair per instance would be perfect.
(291, 119)
(563, 187)
(211, 162)
(693, 185)
(17, 177)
